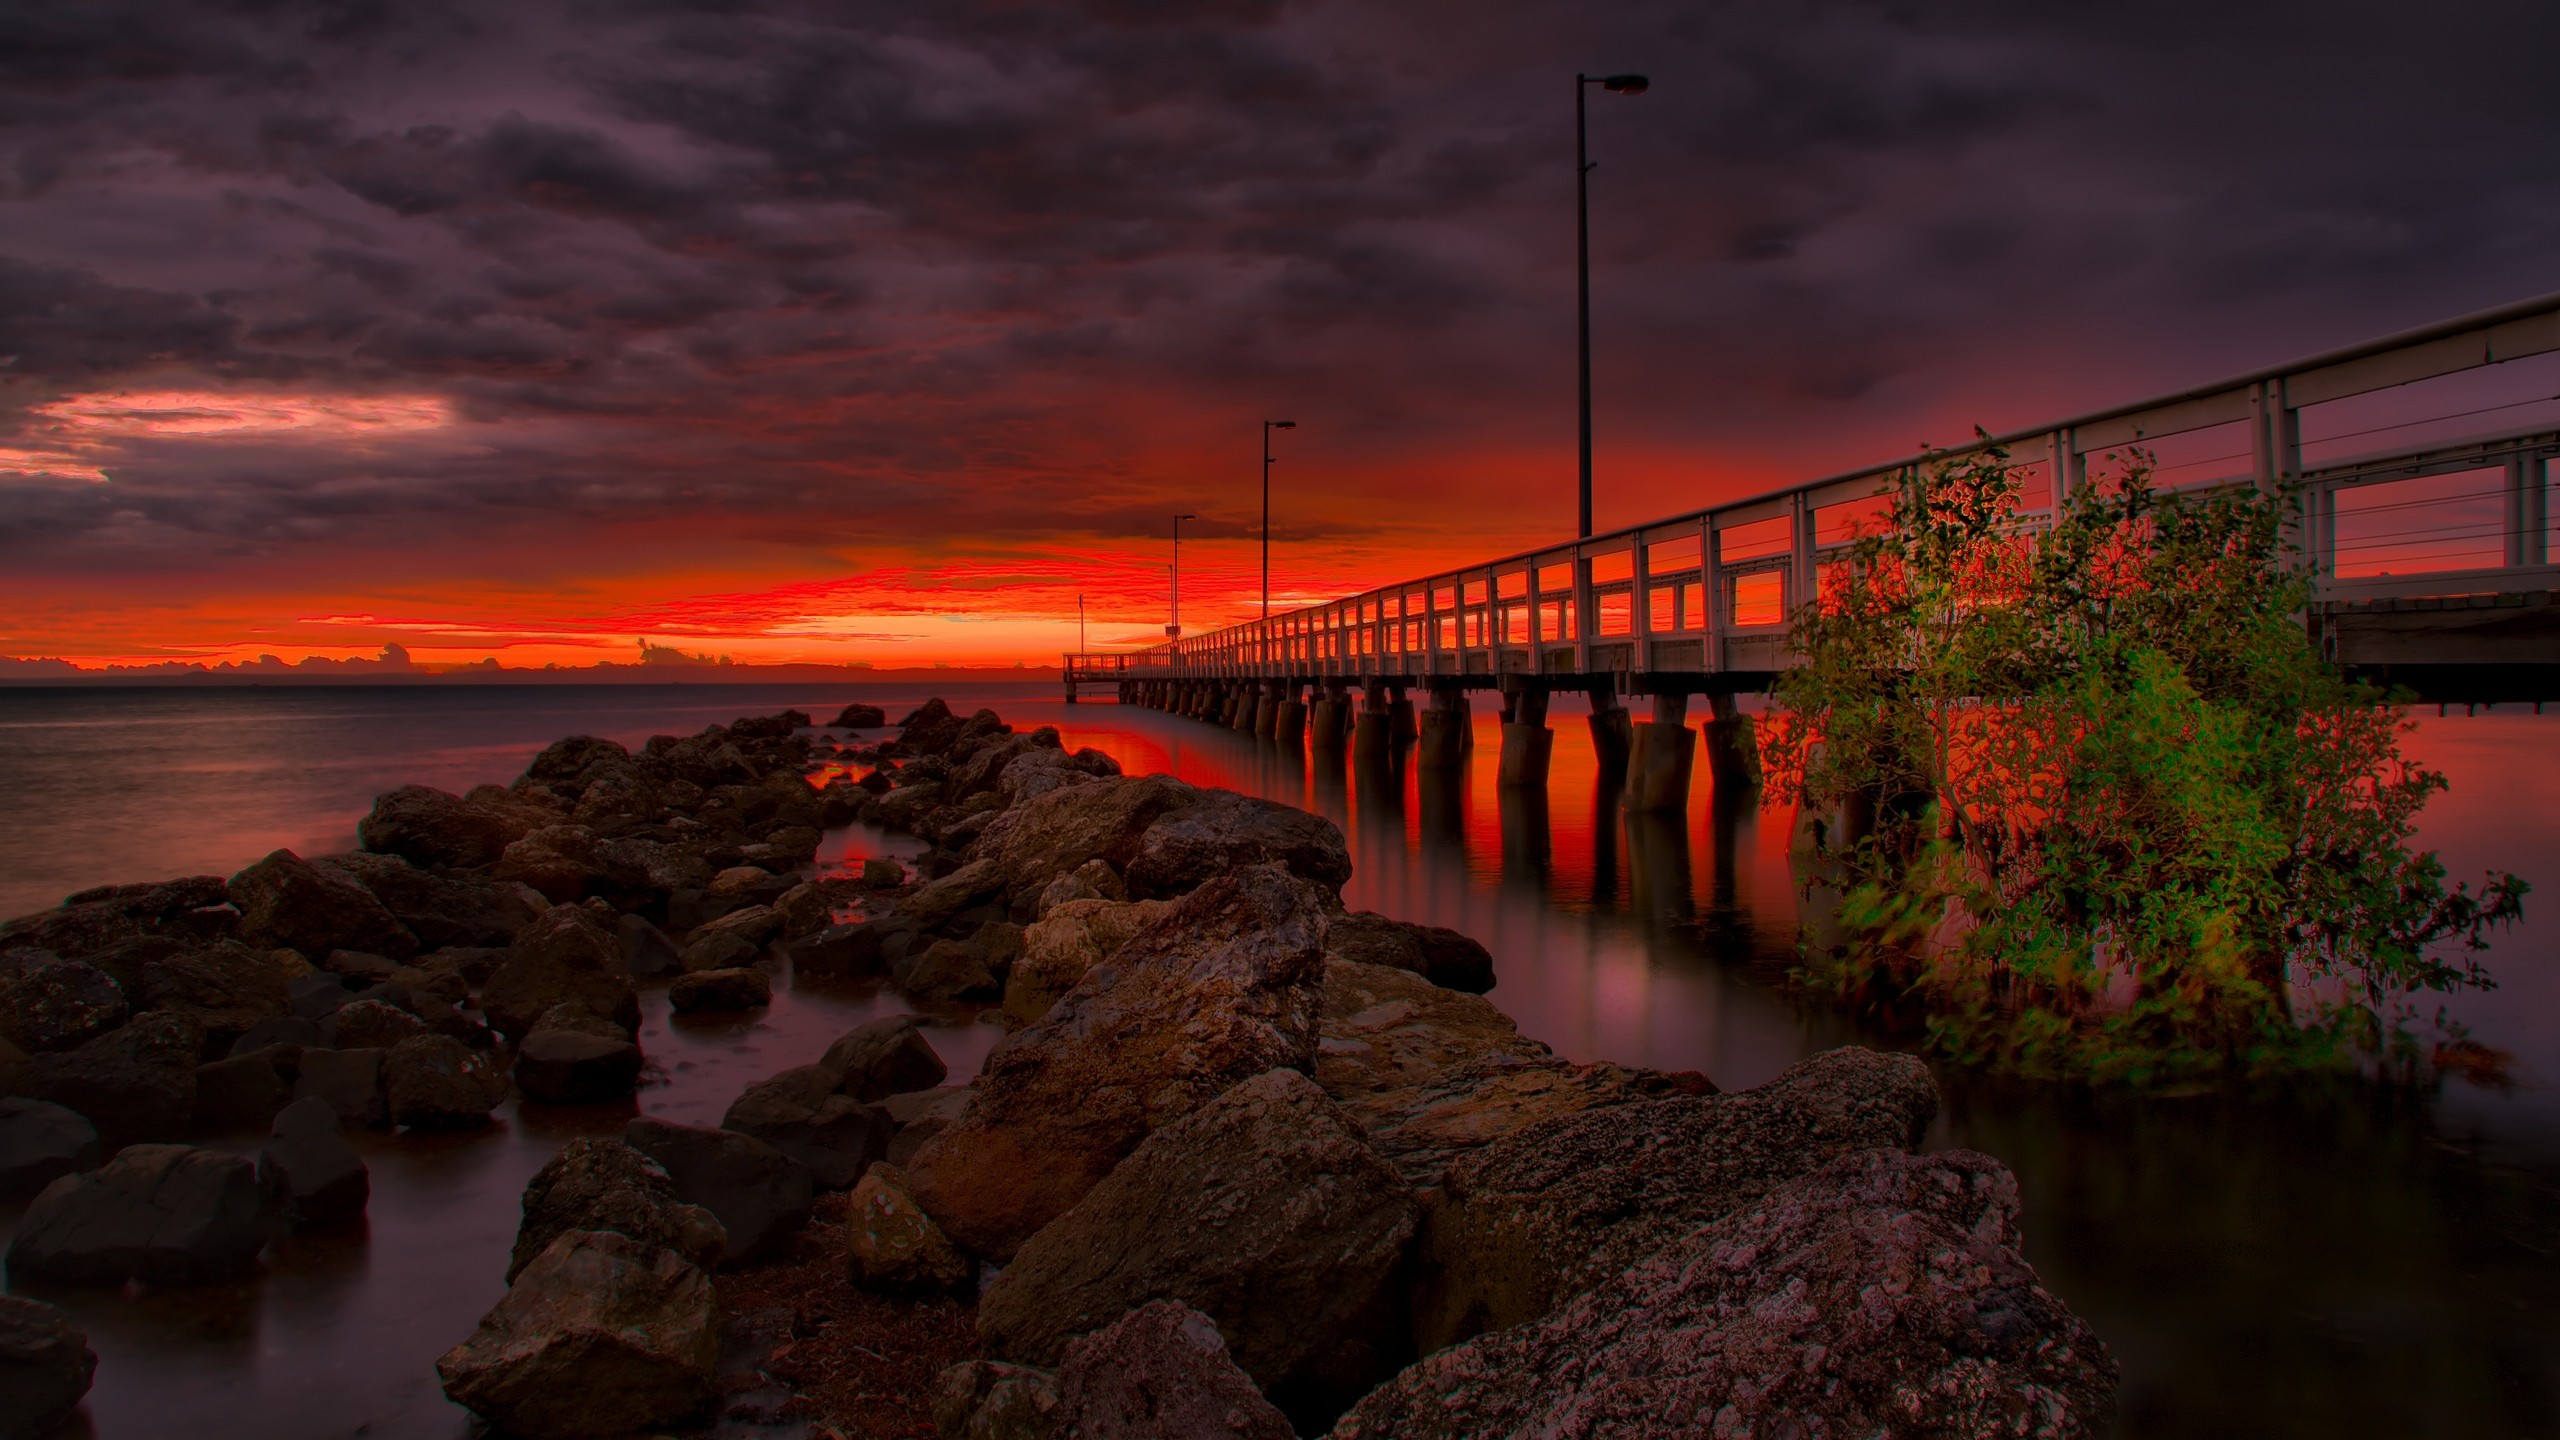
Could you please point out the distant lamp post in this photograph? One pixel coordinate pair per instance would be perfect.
(1267, 427)
(1080, 640)
(1174, 629)
(1615, 85)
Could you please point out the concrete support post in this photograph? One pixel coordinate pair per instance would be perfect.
(1527, 743)
(1612, 729)
(1401, 727)
(1733, 750)
(1248, 704)
(1325, 720)
(1666, 752)
(1266, 709)
(1370, 732)
(1289, 720)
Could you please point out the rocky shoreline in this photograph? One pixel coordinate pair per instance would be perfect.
(1246, 1163)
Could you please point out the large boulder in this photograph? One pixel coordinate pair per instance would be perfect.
(1387, 1028)
(893, 1247)
(427, 826)
(1443, 956)
(1162, 1372)
(41, 1143)
(860, 716)
(1882, 1294)
(166, 1214)
(244, 1091)
(720, 992)
(760, 1196)
(597, 1184)
(1264, 1209)
(226, 990)
(349, 1082)
(286, 900)
(441, 910)
(803, 1113)
(557, 862)
(599, 1335)
(318, 1179)
(1227, 985)
(884, 1057)
(1222, 830)
(1068, 940)
(136, 1082)
(60, 1004)
(435, 1082)
(563, 764)
(1426, 1126)
(45, 1368)
(736, 938)
(1050, 835)
(372, 1025)
(563, 1066)
(567, 953)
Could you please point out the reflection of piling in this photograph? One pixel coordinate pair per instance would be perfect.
(1612, 729)
(1665, 755)
(1527, 743)
(1658, 867)
(1527, 839)
(1370, 729)
(1445, 729)
(1289, 718)
(1733, 750)
(1442, 794)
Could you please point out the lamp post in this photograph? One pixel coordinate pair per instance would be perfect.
(1267, 427)
(1615, 85)
(1174, 630)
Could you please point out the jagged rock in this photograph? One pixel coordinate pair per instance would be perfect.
(244, 1092)
(1037, 772)
(597, 1184)
(1443, 956)
(349, 1082)
(939, 902)
(1883, 1294)
(45, 1368)
(563, 764)
(859, 716)
(893, 1247)
(641, 873)
(945, 970)
(167, 1214)
(557, 862)
(136, 1082)
(441, 911)
(1225, 986)
(1426, 1126)
(1220, 830)
(990, 1400)
(922, 1114)
(372, 1025)
(883, 1057)
(753, 883)
(1555, 1208)
(1049, 835)
(227, 990)
(60, 1004)
(708, 992)
(1387, 1028)
(94, 922)
(800, 1113)
(1265, 1209)
(41, 1143)
(1068, 941)
(647, 953)
(563, 1066)
(760, 1196)
(317, 1178)
(1162, 1372)
(567, 953)
(286, 900)
(435, 1082)
(599, 1335)
(430, 827)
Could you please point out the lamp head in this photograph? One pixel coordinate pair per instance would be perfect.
(1281, 424)
(1625, 84)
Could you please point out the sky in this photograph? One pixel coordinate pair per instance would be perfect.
(882, 332)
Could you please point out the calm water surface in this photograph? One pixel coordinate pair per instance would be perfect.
(2288, 1263)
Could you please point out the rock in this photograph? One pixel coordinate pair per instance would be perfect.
(1443, 956)
(563, 764)
(859, 716)
(136, 1082)
(800, 1113)
(990, 1400)
(640, 874)
(720, 992)
(1050, 835)
(167, 1214)
(243, 1092)
(567, 953)
(291, 1032)
(1070, 939)
(372, 1025)
(840, 950)
(562, 1066)
(60, 1004)
(647, 953)
(893, 1247)
(435, 1082)
(349, 1082)
(430, 827)
(938, 903)
(945, 970)
(600, 1335)
(597, 1184)
(317, 1178)
(1387, 1028)
(41, 1143)
(760, 1196)
(286, 900)
(885, 1057)
(1883, 1294)
(571, 1015)
(1221, 830)
(1225, 986)
(45, 1368)
(751, 883)
(558, 862)
(879, 872)
(920, 1115)
(715, 949)
(1425, 1127)
(439, 910)
(1555, 1208)
(1265, 1209)
(226, 990)
(1162, 1372)
(804, 909)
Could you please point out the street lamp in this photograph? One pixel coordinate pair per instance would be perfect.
(1174, 630)
(1615, 85)
(1267, 427)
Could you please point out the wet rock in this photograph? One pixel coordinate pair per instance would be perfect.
(893, 1247)
(136, 1082)
(1221, 830)
(760, 1196)
(430, 827)
(720, 992)
(60, 1004)
(439, 910)
(1883, 1294)
(939, 902)
(599, 1335)
(804, 909)
(922, 1114)
(841, 950)
(945, 970)
(349, 1082)
(800, 1113)
(990, 1400)
(1264, 1209)
(167, 1214)
(372, 1025)
(733, 940)
(567, 953)
(1070, 939)
(1224, 987)
(884, 1057)
(597, 1184)
(647, 952)
(558, 862)
(41, 1143)
(435, 1082)
(1162, 1372)
(286, 900)
(562, 1066)
(317, 1179)
(45, 1368)
(882, 873)
(243, 1092)
(752, 883)
(859, 716)
(1443, 956)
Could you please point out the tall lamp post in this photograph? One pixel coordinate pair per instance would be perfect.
(1174, 630)
(1267, 427)
(1615, 85)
